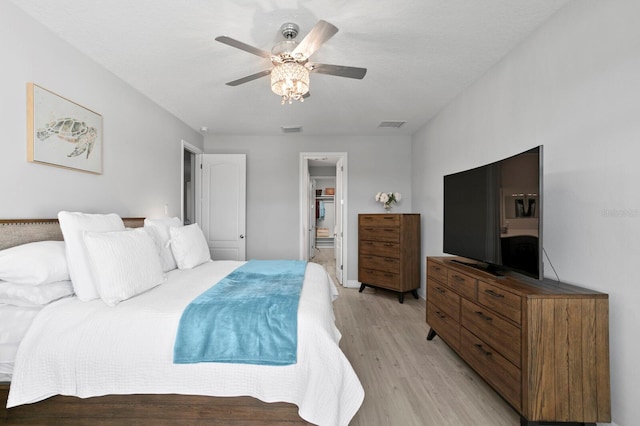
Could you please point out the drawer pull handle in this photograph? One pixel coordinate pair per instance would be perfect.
(458, 278)
(441, 290)
(389, 275)
(388, 245)
(479, 346)
(441, 315)
(389, 218)
(483, 316)
(389, 260)
(437, 268)
(389, 230)
(494, 294)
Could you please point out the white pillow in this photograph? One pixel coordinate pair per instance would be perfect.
(159, 231)
(33, 295)
(73, 224)
(125, 263)
(34, 263)
(189, 246)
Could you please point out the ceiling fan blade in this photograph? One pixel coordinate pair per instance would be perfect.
(243, 46)
(318, 35)
(249, 78)
(339, 70)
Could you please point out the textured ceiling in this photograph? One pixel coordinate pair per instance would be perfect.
(419, 54)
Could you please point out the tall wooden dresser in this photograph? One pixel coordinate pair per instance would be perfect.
(541, 344)
(389, 252)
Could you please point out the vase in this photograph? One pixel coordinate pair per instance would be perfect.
(387, 207)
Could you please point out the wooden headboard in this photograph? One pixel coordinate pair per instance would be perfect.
(14, 232)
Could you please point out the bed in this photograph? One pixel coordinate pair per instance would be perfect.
(84, 361)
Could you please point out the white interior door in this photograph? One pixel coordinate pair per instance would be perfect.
(305, 218)
(190, 184)
(312, 218)
(339, 210)
(224, 187)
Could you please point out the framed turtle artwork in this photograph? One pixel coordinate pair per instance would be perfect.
(62, 133)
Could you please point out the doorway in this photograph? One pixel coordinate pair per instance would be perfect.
(190, 184)
(320, 171)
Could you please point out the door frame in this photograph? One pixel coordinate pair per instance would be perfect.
(197, 188)
(305, 201)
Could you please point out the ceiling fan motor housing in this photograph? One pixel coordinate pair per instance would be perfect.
(289, 30)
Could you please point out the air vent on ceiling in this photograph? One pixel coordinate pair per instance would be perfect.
(291, 129)
(391, 124)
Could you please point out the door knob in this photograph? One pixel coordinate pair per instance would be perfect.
(241, 236)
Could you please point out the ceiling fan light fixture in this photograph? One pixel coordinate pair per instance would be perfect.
(290, 81)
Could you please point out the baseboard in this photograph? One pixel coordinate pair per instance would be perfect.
(352, 284)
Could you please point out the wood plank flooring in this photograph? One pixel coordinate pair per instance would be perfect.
(408, 380)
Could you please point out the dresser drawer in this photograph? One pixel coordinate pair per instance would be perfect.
(380, 233)
(463, 284)
(383, 279)
(497, 332)
(505, 303)
(378, 220)
(437, 271)
(445, 325)
(443, 298)
(386, 264)
(505, 377)
(380, 248)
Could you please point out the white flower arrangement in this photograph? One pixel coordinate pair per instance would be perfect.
(388, 198)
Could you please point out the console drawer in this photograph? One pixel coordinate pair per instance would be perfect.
(501, 301)
(505, 377)
(379, 248)
(444, 298)
(387, 264)
(437, 271)
(445, 325)
(488, 326)
(461, 283)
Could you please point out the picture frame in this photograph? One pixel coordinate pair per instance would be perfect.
(62, 133)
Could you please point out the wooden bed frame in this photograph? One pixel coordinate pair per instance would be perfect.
(130, 409)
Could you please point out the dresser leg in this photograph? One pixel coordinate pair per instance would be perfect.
(415, 294)
(401, 297)
(431, 334)
(362, 286)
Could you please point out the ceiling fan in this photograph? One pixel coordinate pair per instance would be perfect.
(290, 59)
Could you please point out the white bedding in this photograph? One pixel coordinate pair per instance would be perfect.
(14, 323)
(89, 349)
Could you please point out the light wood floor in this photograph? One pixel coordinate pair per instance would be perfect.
(408, 380)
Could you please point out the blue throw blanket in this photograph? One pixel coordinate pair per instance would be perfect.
(250, 317)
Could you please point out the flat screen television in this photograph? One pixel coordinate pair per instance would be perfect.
(492, 214)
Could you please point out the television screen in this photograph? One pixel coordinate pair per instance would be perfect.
(492, 213)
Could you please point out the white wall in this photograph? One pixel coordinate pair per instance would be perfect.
(141, 140)
(273, 206)
(574, 86)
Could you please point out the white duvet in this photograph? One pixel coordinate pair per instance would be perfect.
(89, 349)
